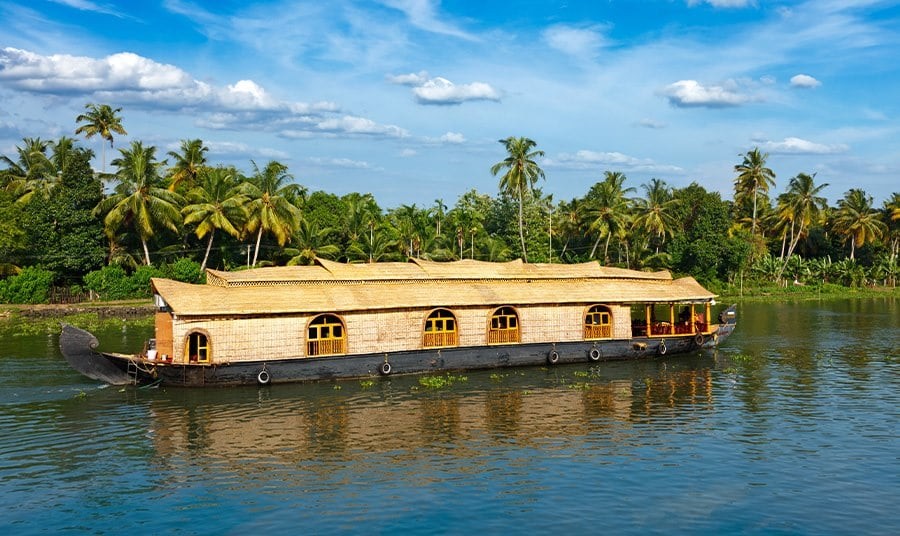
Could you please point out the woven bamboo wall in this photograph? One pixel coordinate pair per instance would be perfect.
(249, 339)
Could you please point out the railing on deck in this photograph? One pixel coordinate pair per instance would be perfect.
(597, 332)
(437, 339)
(325, 347)
(503, 336)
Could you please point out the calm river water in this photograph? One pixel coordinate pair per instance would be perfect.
(792, 427)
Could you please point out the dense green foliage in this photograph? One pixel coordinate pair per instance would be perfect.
(32, 285)
(161, 220)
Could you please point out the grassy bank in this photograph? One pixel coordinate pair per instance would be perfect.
(804, 292)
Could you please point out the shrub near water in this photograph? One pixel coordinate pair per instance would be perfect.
(30, 286)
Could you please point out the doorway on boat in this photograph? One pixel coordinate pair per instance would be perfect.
(598, 323)
(440, 329)
(504, 326)
(197, 347)
(326, 336)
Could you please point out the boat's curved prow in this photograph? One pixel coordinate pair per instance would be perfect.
(77, 346)
(727, 323)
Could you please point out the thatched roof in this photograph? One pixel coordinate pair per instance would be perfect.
(336, 287)
(422, 270)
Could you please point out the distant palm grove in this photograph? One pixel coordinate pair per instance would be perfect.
(63, 234)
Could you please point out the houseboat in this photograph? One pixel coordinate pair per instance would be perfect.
(333, 320)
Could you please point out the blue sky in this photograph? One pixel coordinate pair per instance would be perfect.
(406, 99)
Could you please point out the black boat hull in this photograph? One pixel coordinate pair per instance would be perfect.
(78, 347)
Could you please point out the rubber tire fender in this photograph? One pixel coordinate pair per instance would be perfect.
(553, 357)
(385, 368)
(594, 354)
(263, 377)
(661, 349)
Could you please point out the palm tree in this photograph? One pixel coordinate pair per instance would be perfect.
(804, 205)
(62, 151)
(140, 198)
(753, 177)
(892, 215)
(188, 163)
(521, 175)
(571, 222)
(271, 203)
(654, 213)
(857, 220)
(32, 172)
(439, 210)
(311, 243)
(100, 120)
(215, 204)
(609, 210)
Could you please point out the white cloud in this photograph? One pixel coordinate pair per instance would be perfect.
(87, 5)
(236, 149)
(804, 81)
(585, 159)
(360, 125)
(406, 153)
(411, 79)
(453, 137)
(793, 145)
(127, 78)
(579, 42)
(62, 73)
(442, 91)
(690, 93)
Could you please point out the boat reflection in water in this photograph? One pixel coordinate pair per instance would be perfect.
(317, 422)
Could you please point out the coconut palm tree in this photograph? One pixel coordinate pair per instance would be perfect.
(215, 204)
(609, 210)
(140, 198)
(271, 205)
(522, 172)
(804, 205)
(857, 220)
(571, 222)
(188, 163)
(32, 172)
(311, 243)
(753, 177)
(892, 217)
(653, 214)
(100, 120)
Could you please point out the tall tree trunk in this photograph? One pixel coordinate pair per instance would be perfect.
(521, 230)
(208, 247)
(596, 243)
(258, 239)
(606, 249)
(755, 188)
(146, 251)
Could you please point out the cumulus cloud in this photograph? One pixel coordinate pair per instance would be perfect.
(804, 81)
(579, 42)
(793, 145)
(127, 78)
(690, 93)
(442, 91)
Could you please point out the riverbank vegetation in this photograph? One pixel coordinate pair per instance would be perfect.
(68, 232)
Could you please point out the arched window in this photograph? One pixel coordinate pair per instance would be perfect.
(197, 347)
(440, 329)
(598, 323)
(326, 336)
(504, 326)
